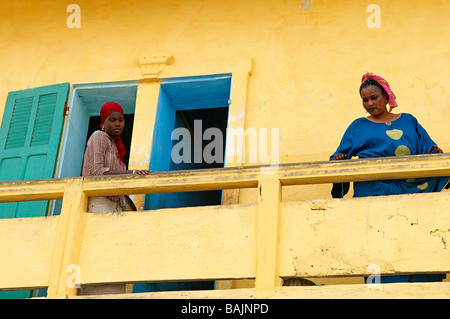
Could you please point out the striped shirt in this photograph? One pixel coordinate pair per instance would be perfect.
(100, 157)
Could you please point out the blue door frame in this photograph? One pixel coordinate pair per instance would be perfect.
(180, 94)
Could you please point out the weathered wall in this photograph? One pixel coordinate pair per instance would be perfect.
(308, 57)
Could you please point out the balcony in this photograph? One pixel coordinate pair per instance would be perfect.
(264, 241)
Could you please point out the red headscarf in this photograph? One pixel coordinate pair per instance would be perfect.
(384, 84)
(108, 108)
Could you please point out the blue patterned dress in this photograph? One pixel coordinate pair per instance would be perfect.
(404, 136)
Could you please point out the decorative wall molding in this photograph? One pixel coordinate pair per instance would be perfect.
(151, 66)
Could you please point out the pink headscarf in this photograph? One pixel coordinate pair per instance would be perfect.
(384, 84)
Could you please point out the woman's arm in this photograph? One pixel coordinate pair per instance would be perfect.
(339, 156)
(121, 172)
(424, 139)
(435, 148)
(95, 159)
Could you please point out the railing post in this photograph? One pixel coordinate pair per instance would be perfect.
(268, 224)
(68, 241)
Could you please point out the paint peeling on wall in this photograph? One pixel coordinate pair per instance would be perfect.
(306, 5)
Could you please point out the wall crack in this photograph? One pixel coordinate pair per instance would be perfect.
(439, 233)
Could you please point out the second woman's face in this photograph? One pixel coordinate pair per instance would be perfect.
(374, 101)
(114, 124)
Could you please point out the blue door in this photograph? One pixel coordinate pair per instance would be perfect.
(182, 102)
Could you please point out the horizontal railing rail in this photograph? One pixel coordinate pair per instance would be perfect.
(242, 177)
(403, 234)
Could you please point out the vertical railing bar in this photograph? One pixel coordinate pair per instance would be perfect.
(268, 224)
(68, 240)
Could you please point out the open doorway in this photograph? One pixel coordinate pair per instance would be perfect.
(194, 105)
(201, 120)
(182, 103)
(83, 118)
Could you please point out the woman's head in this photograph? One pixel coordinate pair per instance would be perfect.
(113, 120)
(374, 99)
(376, 93)
(369, 82)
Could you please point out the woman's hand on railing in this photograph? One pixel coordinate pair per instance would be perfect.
(141, 171)
(340, 157)
(435, 148)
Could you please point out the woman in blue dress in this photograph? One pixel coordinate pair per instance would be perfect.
(383, 134)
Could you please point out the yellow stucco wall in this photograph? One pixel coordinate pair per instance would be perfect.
(310, 238)
(308, 57)
(307, 60)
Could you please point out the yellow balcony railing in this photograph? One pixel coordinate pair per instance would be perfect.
(403, 234)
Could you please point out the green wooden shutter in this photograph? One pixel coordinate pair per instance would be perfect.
(29, 141)
(30, 135)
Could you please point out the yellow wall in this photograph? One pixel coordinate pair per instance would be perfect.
(308, 59)
(323, 238)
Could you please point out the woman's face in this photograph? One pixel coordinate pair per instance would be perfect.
(374, 100)
(114, 124)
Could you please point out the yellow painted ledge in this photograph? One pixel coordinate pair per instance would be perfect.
(385, 291)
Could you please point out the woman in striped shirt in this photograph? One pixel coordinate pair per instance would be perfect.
(104, 155)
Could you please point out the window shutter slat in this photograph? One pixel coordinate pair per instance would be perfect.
(19, 122)
(44, 120)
